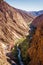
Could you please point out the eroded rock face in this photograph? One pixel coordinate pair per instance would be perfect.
(1, 0)
(3, 60)
(13, 23)
(36, 48)
(13, 26)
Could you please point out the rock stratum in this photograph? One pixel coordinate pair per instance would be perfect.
(13, 26)
(13, 23)
(3, 60)
(36, 46)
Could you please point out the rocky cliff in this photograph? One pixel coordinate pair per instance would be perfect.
(13, 23)
(36, 45)
(13, 26)
(3, 60)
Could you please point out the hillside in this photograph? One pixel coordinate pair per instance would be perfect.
(13, 26)
(36, 13)
(36, 48)
(16, 24)
(32, 47)
(13, 23)
(3, 60)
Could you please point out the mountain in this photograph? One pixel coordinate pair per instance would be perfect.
(14, 25)
(36, 13)
(13, 22)
(35, 51)
(32, 47)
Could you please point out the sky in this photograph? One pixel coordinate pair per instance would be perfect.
(28, 5)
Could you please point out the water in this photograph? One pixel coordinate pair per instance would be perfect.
(19, 56)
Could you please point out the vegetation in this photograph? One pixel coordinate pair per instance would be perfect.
(24, 45)
(15, 54)
(14, 50)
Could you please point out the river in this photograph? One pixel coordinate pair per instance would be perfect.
(19, 56)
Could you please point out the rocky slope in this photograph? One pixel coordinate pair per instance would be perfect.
(13, 23)
(3, 60)
(13, 26)
(36, 13)
(36, 45)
